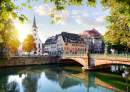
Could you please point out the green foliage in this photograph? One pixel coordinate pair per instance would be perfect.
(52, 22)
(119, 19)
(28, 44)
(57, 18)
(51, 15)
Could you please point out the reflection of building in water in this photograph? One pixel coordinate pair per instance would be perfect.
(30, 83)
(118, 68)
(64, 81)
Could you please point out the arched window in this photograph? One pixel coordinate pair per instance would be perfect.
(39, 45)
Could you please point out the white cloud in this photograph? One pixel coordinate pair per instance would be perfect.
(87, 22)
(82, 17)
(80, 12)
(43, 9)
(95, 13)
(100, 19)
(65, 17)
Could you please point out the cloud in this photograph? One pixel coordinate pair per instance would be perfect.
(82, 17)
(87, 22)
(95, 13)
(100, 19)
(81, 12)
(65, 17)
(43, 9)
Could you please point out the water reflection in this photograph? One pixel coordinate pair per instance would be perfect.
(59, 79)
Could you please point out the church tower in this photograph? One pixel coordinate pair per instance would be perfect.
(38, 41)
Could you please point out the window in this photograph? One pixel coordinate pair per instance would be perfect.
(34, 29)
(73, 44)
(34, 34)
(66, 43)
(36, 38)
(39, 45)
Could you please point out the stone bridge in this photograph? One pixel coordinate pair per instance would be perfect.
(92, 63)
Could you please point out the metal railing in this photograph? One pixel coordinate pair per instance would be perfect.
(109, 56)
(74, 55)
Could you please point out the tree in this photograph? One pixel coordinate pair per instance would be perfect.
(28, 44)
(10, 39)
(119, 18)
(119, 29)
(7, 9)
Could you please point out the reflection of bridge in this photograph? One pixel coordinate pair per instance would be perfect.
(89, 80)
(88, 62)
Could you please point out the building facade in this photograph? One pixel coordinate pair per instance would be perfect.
(38, 41)
(48, 45)
(92, 39)
(69, 43)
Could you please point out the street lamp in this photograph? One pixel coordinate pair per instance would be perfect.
(125, 75)
(86, 48)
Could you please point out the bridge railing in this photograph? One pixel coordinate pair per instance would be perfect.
(74, 55)
(111, 56)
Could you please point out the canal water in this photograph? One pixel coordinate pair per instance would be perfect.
(62, 78)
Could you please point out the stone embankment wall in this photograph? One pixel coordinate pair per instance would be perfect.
(20, 61)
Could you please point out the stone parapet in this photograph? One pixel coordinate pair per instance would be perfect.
(21, 61)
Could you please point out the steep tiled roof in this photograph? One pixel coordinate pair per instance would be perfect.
(49, 40)
(54, 40)
(92, 33)
(71, 37)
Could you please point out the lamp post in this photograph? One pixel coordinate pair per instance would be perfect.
(125, 74)
(105, 53)
(86, 48)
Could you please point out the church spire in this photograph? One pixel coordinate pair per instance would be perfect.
(34, 22)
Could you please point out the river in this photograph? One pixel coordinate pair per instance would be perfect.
(61, 78)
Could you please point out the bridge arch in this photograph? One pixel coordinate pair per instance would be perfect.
(79, 60)
(70, 61)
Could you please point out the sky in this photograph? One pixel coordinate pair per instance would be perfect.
(74, 19)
